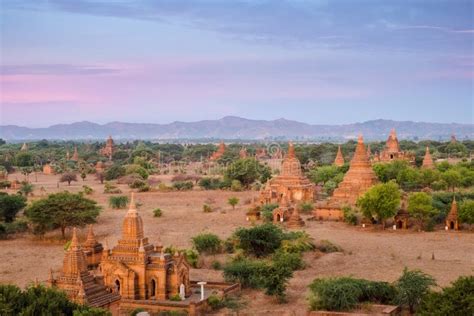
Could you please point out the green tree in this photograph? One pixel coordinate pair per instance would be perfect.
(62, 210)
(233, 201)
(466, 212)
(260, 240)
(10, 205)
(83, 176)
(452, 178)
(24, 159)
(114, 172)
(207, 243)
(380, 201)
(420, 207)
(26, 188)
(412, 287)
(68, 177)
(246, 170)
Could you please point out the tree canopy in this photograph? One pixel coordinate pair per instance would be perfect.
(380, 201)
(62, 210)
(10, 205)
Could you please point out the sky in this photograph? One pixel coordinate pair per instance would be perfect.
(320, 61)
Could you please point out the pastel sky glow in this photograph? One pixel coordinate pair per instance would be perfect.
(321, 61)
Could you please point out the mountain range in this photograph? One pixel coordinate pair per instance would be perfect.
(232, 127)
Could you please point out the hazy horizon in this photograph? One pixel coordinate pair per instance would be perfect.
(318, 62)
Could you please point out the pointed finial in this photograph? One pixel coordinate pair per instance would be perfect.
(133, 206)
(360, 139)
(291, 150)
(74, 242)
(90, 233)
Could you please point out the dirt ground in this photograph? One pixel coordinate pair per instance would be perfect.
(368, 253)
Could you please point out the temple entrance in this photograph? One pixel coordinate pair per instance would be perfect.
(400, 224)
(117, 286)
(153, 288)
(451, 225)
(278, 218)
(391, 156)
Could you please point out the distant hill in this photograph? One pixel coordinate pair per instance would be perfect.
(231, 127)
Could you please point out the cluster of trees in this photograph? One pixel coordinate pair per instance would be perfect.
(268, 257)
(381, 202)
(39, 300)
(413, 291)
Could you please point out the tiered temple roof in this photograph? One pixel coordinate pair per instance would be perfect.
(427, 160)
(78, 283)
(392, 151)
(452, 221)
(358, 179)
(339, 161)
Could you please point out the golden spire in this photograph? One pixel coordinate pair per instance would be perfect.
(339, 161)
(132, 228)
(74, 242)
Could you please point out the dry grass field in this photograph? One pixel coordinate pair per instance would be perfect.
(368, 253)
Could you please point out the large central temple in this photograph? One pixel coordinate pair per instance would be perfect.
(358, 179)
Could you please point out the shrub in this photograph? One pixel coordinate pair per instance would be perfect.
(87, 190)
(10, 205)
(114, 172)
(216, 265)
(247, 272)
(349, 216)
(412, 287)
(260, 240)
(157, 212)
(344, 293)
(118, 202)
(210, 183)
(327, 247)
(297, 242)
(207, 243)
(291, 260)
(206, 208)
(306, 207)
(192, 257)
(183, 186)
(164, 188)
(233, 201)
(131, 169)
(109, 188)
(175, 298)
(236, 185)
(456, 299)
(137, 184)
(267, 212)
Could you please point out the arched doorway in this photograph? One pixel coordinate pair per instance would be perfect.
(451, 225)
(117, 286)
(278, 217)
(400, 224)
(391, 156)
(153, 288)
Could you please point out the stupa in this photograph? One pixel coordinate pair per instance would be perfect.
(339, 161)
(109, 149)
(402, 217)
(427, 160)
(290, 183)
(80, 284)
(47, 169)
(358, 179)
(295, 221)
(218, 153)
(92, 249)
(99, 167)
(452, 221)
(24, 147)
(392, 151)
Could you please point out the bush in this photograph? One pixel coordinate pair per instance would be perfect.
(137, 184)
(247, 272)
(216, 265)
(349, 216)
(111, 189)
(87, 190)
(132, 169)
(454, 300)
(175, 298)
(206, 208)
(292, 260)
(261, 240)
(233, 201)
(344, 293)
(157, 212)
(68, 177)
(118, 202)
(236, 185)
(183, 186)
(306, 207)
(192, 257)
(207, 243)
(267, 212)
(297, 242)
(114, 172)
(327, 247)
(10, 205)
(210, 183)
